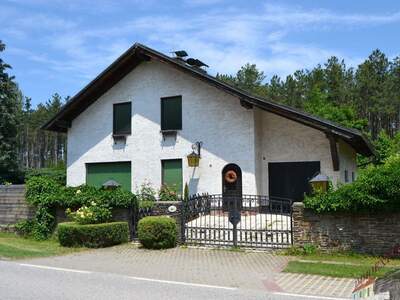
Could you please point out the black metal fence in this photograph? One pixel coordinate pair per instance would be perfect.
(246, 221)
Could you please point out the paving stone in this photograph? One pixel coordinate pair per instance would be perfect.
(260, 270)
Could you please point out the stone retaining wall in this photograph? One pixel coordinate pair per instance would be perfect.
(364, 233)
(13, 207)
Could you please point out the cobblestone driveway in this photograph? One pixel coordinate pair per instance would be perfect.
(245, 270)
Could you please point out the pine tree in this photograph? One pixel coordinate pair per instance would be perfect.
(372, 102)
(10, 108)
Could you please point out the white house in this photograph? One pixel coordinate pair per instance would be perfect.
(138, 119)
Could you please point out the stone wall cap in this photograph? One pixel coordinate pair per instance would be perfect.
(12, 186)
(168, 202)
(298, 204)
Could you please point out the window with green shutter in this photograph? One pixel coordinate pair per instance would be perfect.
(172, 174)
(122, 118)
(171, 113)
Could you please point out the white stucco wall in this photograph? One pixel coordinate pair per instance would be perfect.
(209, 115)
(347, 161)
(230, 134)
(283, 140)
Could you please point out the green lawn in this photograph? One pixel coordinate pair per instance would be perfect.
(337, 264)
(333, 270)
(15, 247)
(347, 258)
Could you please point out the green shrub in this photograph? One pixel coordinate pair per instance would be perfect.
(293, 251)
(146, 204)
(186, 193)
(377, 188)
(309, 249)
(306, 249)
(46, 193)
(71, 234)
(157, 232)
(59, 174)
(25, 228)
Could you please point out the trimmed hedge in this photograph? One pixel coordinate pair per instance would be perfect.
(157, 232)
(71, 234)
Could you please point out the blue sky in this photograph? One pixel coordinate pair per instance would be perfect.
(60, 45)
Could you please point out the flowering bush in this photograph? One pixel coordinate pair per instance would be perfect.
(168, 193)
(146, 192)
(92, 214)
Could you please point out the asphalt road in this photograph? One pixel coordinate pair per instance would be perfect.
(26, 281)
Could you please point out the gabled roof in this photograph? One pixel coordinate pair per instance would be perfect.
(139, 53)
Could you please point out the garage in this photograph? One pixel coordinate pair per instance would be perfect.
(291, 179)
(98, 173)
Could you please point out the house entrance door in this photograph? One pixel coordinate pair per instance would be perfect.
(232, 187)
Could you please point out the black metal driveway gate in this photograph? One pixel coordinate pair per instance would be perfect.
(245, 221)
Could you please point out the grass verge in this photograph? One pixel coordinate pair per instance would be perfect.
(347, 258)
(332, 270)
(335, 264)
(15, 247)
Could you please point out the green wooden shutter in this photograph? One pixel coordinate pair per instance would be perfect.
(171, 113)
(122, 118)
(98, 173)
(172, 174)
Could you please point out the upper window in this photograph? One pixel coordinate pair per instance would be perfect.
(122, 118)
(171, 113)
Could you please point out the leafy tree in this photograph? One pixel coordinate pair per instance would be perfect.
(318, 104)
(337, 81)
(371, 98)
(275, 90)
(366, 98)
(42, 149)
(385, 146)
(248, 78)
(10, 108)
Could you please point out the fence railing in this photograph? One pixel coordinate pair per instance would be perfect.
(249, 220)
(255, 203)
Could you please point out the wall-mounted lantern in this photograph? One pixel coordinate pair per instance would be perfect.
(110, 184)
(319, 183)
(194, 157)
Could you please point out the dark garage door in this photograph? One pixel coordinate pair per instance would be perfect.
(99, 173)
(290, 179)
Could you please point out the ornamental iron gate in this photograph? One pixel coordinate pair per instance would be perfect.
(249, 221)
